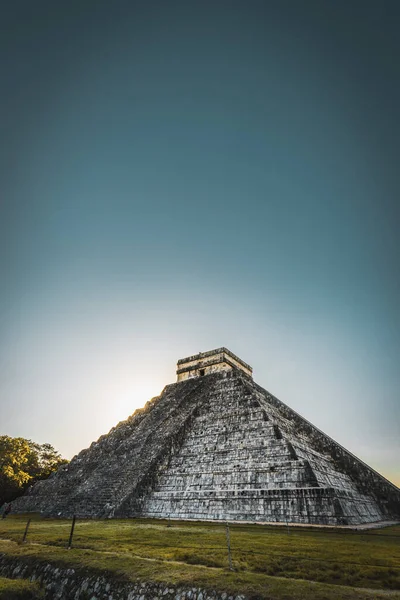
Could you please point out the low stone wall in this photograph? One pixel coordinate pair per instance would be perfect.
(69, 584)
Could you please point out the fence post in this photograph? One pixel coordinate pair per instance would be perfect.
(228, 543)
(72, 532)
(26, 531)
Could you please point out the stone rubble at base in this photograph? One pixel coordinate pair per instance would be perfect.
(216, 446)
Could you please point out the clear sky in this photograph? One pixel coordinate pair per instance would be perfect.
(178, 176)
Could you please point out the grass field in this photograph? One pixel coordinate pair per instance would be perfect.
(268, 562)
(11, 589)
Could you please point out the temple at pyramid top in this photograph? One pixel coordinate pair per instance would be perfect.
(204, 363)
(218, 447)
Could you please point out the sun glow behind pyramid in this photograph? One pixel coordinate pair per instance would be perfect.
(215, 445)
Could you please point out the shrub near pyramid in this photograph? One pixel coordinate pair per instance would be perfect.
(215, 445)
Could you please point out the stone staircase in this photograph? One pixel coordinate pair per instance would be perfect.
(217, 447)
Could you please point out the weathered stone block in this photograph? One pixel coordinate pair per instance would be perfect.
(217, 446)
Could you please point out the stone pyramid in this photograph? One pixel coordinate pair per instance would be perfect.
(215, 445)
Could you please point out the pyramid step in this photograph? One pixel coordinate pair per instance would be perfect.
(217, 446)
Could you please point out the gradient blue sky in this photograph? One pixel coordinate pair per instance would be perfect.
(177, 176)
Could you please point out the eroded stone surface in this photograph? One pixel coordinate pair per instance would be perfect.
(217, 447)
(71, 584)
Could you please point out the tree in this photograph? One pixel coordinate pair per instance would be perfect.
(22, 463)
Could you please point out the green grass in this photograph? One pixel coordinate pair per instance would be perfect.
(269, 563)
(18, 589)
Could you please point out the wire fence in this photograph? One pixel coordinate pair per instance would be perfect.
(232, 546)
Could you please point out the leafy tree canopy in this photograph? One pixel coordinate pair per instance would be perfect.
(22, 463)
